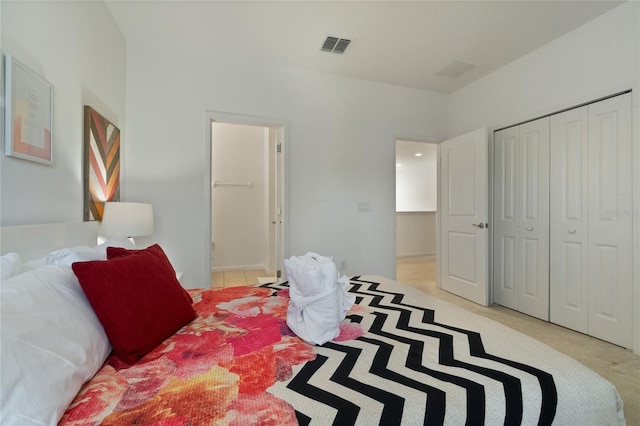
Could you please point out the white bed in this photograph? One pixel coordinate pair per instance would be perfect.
(481, 372)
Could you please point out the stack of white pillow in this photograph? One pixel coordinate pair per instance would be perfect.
(51, 340)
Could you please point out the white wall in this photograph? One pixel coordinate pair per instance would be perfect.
(341, 149)
(415, 233)
(416, 177)
(78, 48)
(239, 214)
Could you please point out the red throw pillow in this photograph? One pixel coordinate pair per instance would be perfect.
(156, 250)
(138, 300)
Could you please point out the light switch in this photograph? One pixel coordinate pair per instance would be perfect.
(363, 207)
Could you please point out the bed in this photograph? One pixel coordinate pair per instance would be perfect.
(401, 357)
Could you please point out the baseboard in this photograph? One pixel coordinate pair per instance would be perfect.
(415, 254)
(237, 268)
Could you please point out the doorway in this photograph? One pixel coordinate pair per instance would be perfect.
(416, 211)
(416, 204)
(247, 195)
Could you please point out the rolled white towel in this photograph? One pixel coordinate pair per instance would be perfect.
(318, 298)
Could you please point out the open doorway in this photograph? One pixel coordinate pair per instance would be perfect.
(247, 194)
(416, 211)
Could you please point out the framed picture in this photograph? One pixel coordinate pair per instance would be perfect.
(101, 163)
(28, 113)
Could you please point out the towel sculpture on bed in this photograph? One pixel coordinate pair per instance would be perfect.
(318, 298)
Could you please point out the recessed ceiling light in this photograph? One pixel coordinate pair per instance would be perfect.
(418, 154)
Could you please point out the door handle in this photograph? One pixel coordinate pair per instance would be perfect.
(530, 228)
(572, 231)
(480, 225)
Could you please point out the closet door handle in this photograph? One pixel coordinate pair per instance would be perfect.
(479, 225)
(572, 231)
(530, 228)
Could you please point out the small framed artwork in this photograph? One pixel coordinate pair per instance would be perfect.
(28, 113)
(101, 163)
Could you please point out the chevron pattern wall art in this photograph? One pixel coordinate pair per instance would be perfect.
(101, 163)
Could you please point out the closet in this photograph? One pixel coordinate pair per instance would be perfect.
(563, 219)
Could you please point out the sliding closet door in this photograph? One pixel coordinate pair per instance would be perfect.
(569, 195)
(610, 220)
(504, 217)
(532, 211)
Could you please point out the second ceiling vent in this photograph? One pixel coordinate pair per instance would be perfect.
(335, 45)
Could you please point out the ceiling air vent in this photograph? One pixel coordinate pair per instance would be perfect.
(335, 45)
(455, 69)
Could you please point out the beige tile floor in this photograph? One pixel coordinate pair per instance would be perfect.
(236, 278)
(616, 364)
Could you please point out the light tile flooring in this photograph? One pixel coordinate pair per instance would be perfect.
(236, 278)
(618, 365)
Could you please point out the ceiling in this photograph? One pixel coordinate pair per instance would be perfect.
(402, 43)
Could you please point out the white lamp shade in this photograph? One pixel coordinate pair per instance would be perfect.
(122, 219)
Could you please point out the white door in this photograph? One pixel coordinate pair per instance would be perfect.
(521, 218)
(532, 212)
(610, 220)
(280, 202)
(505, 225)
(591, 211)
(274, 208)
(464, 220)
(569, 196)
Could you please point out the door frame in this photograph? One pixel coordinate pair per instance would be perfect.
(283, 131)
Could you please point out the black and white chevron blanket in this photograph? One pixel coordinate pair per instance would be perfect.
(425, 361)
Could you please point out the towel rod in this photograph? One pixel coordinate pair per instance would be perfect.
(245, 184)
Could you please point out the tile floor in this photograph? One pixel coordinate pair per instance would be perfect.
(236, 278)
(618, 365)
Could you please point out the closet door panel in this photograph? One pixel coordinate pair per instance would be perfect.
(532, 217)
(504, 217)
(610, 215)
(568, 286)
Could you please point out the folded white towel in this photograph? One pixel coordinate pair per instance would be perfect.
(318, 297)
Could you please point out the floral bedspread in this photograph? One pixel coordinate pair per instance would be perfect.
(215, 370)
(402, 357)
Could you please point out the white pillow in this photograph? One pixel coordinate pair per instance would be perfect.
(51, 342)
(67, 256)
(10, 265)
(33, 264)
